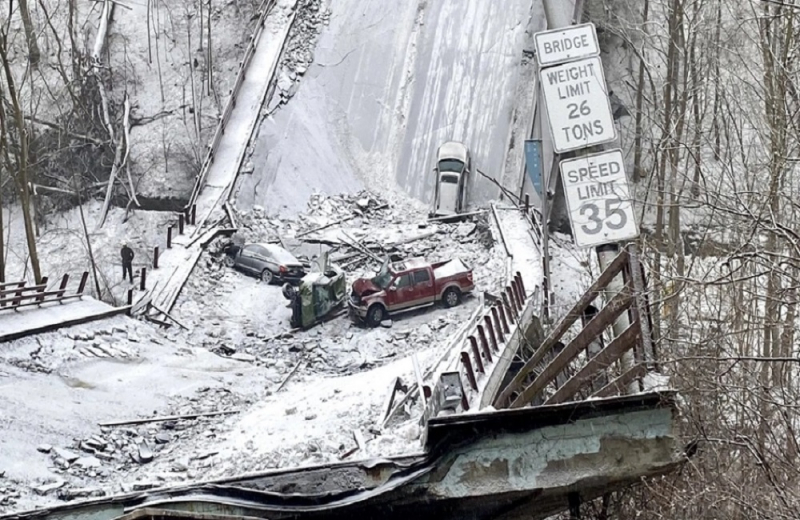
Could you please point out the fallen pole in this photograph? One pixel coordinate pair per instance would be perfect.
(341, 220)
(168, 315)
(289, 376)
(167, 418)
(458, 215)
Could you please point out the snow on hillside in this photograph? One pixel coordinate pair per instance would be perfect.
(390, 82)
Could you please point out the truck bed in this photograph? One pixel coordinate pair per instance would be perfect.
(449, 268)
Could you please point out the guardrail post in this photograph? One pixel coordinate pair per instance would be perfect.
(476, 354)
(490, 327)
(507, 315)
(82, 284)
(488, 354)
(180, 223)
(520, 301)
(43, 289)
(512, 294)
(142, 281)
(510, 306)
(498, 325)
(130, 297)
(518, 276)
(527, 202)
(484, 343)
(194, 214)
(155, 257)
(62, 288)
(169, 236)
(18, 294)
(473, 383)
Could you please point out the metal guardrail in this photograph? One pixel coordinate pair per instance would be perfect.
(200, 180)
(483, 342)
(479, 343)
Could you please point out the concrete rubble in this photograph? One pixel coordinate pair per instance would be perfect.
(299, 50)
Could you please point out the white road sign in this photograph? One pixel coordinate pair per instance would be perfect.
(578, 109)
(598, 199)
(569, 43)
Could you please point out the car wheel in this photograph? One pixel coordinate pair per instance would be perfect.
(288, 291)
(451, 297)
(266, 276)
(228, 261)
(375, 315)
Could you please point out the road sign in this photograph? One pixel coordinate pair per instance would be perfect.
(533, 163)
(578, 109)
(569, 43)
(598, 199)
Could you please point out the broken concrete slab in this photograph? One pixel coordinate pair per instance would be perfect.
(87, 462)
(66, 455)
(145, 454)
(48, 487)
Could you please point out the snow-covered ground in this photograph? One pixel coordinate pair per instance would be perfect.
(390, 82)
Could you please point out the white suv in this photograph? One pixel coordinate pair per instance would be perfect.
(453, 165)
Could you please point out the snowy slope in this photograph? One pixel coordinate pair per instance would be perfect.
(391, 81)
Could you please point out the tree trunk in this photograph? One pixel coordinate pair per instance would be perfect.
(30, 33)
(638, 174)
(21, 177)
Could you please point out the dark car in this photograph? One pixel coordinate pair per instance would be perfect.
(267, 261)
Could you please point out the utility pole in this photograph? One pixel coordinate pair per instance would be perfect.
(557, 13)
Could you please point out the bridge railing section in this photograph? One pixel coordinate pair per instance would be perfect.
(16, 295)
(200, 179)
(586, 366)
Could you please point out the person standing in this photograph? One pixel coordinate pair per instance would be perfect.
(127, 262)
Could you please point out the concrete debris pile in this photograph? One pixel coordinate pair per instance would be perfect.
(299, 50)
(45, 353)
(88, 465)
(360, 230)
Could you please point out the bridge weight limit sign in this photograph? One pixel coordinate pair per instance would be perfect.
(578, 109)
(598, 199)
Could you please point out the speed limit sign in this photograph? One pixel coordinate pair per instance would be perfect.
(598, 199)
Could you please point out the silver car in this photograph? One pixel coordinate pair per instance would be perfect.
(453, 165)
(269, 262)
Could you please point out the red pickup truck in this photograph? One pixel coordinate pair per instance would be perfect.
(408, 285)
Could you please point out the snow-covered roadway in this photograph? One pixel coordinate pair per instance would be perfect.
(390, 82)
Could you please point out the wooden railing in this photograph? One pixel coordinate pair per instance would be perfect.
(583, 367)
(14, 295)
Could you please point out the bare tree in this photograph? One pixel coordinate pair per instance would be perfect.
(16, 159)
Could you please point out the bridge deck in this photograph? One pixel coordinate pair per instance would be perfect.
(25, 321)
